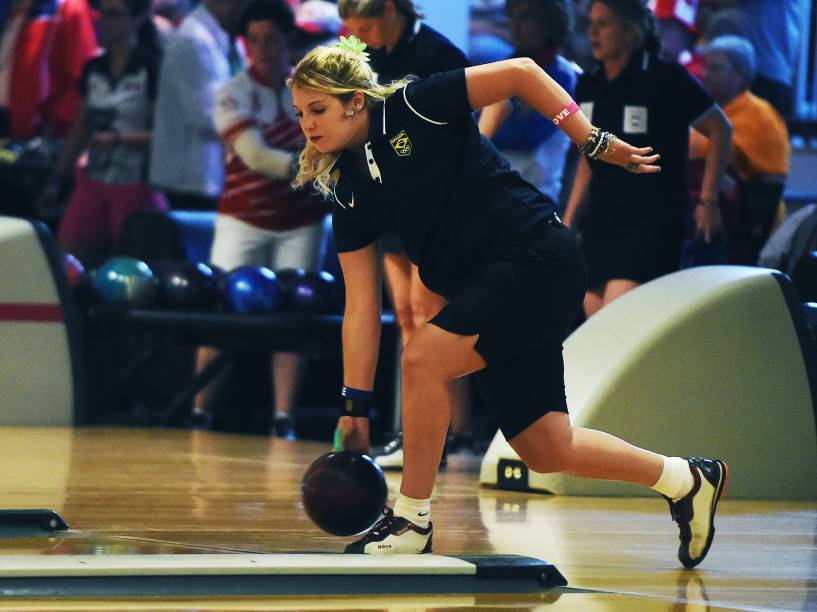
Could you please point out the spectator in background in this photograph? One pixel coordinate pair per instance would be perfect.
(633, 227)
(488, 37)
(776, 29)
(261, 220)
(317, 22)
(577, 47)
(536, 148)
(676, 20)
(760, 141)
(44, 45)
(114, 125)
(400, 44)
(174, 11)
(187, 156)
(167, 15)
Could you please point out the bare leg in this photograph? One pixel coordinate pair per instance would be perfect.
(616, 288)
(552, 444)
(434, 357)
(593, 301)
(431, 360)
(397, 270)
(204, 355)
(286, 376)
(460, 401)
(425, 304)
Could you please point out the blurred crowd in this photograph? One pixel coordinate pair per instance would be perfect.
(182, 105)
(137, 123)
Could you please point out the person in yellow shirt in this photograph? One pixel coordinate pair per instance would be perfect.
(760, 140)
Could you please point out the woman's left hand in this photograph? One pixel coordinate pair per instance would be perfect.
(633, 159)
(355, 432)
(707, 221)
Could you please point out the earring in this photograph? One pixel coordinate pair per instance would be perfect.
(350, 112)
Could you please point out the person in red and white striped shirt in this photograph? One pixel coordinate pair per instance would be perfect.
(261, 220)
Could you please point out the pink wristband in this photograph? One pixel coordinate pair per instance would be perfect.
(565, 112)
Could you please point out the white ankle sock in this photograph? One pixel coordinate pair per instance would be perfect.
(676, 479)
(418, 511)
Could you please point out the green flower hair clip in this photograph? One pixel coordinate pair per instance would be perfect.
(355, 45)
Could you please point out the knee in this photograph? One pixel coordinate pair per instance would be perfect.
(546, 463)
(550, 453)
(414, 361)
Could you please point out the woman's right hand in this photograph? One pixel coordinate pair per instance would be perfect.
(355, 432)
(633, 159)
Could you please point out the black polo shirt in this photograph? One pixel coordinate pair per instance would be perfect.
(431, 178)
(652, 102)
(421, 51)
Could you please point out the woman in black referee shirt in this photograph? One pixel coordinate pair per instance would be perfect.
(400, 44)
(633, 227)
(408, 158)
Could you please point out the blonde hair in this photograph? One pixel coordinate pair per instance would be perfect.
(340, 72)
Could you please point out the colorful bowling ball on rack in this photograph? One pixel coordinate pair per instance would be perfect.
(310, 292)
(187, 286)
(252, 290)
(125, 281)
(344, 492)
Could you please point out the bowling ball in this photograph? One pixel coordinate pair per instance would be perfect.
(309, 292)
(125, 281)
(84, 291)
(344, 492)
(252, 290)
(187, 286)
(74, 269)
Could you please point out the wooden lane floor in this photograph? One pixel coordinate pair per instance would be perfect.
(131, 491)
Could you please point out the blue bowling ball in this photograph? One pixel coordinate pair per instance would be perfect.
(124, 281)
(252, 290)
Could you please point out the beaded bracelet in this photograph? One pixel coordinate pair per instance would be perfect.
(597, 143)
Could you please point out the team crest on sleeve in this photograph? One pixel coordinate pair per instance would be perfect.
(401, 144)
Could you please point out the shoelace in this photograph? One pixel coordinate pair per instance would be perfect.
(674, 510)
(383, 524)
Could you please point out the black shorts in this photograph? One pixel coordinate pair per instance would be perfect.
(392, 244)
(638, 250)
(521, 307)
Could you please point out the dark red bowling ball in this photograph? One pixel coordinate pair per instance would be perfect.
(344, 492)
(187, 286)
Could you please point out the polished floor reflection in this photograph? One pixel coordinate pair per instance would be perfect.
(142, 492)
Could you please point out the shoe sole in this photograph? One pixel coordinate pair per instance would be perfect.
(721, 493)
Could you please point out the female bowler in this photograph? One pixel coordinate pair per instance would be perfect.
(407, 157)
